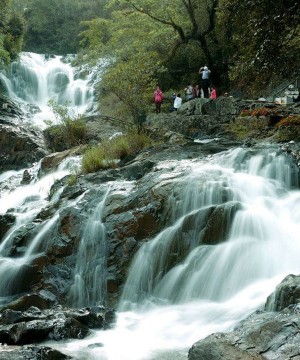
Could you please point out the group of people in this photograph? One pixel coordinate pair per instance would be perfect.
(205, 90)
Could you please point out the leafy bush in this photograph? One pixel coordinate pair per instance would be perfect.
(68, 133)
(109, 152)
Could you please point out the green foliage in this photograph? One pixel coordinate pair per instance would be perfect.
(109, 152)
(264, 44)
(12, 28)
(53, 25)
(146, 45)
(68, 133)
(72, 179)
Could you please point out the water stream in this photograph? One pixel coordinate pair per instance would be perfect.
(35, 79)
(181, 288)
(24, 202)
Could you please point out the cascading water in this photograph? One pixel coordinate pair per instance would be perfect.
(24, 202)
(35, 79)
(89, 287)
(233, 238)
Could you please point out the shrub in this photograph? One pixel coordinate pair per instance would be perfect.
(258, 112)
(68, 133)
(289, 121)
(109, 152)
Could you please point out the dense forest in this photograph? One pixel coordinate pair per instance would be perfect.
(248, 44)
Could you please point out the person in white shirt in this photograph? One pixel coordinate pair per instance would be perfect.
(204, 73)
(177, 102)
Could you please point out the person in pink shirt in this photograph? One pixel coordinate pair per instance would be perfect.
(158, 98)
(213, 93)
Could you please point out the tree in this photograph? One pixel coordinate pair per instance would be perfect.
(148, 45)
(53, 25)
(265, 44)
(12, 27)
(190, 20)
(132, 56)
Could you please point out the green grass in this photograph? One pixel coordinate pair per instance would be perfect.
(109, 152)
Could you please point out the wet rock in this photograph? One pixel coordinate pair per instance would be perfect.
(20, 143)
(217, 228)
(51, 161)
(264, 334)
(30, 353)
(6, 222)
(287, 293)
(41, 301)
(35, 325)
(217, 348)
(26, 177)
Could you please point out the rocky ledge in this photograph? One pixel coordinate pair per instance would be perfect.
(33, 326)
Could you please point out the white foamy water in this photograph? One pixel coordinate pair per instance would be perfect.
(179, 289)
(24, 202)
(35, 79)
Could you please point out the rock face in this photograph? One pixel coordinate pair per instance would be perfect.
(20, 144)
(197, 117)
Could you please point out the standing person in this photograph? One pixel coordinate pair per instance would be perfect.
(213, 93)
(204, 72)
(189, 92)
(177, 102)
(158, 98)
(197, 91)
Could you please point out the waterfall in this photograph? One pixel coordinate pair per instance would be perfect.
(89, 287)
(233, 237)
(35, 79)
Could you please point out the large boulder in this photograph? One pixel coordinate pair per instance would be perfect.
(287, 293)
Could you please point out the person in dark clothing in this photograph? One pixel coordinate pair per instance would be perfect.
(297, 99)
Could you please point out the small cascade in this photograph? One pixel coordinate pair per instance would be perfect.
(248, 194)
(24, 202)
(35, 79)
(89, 287)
